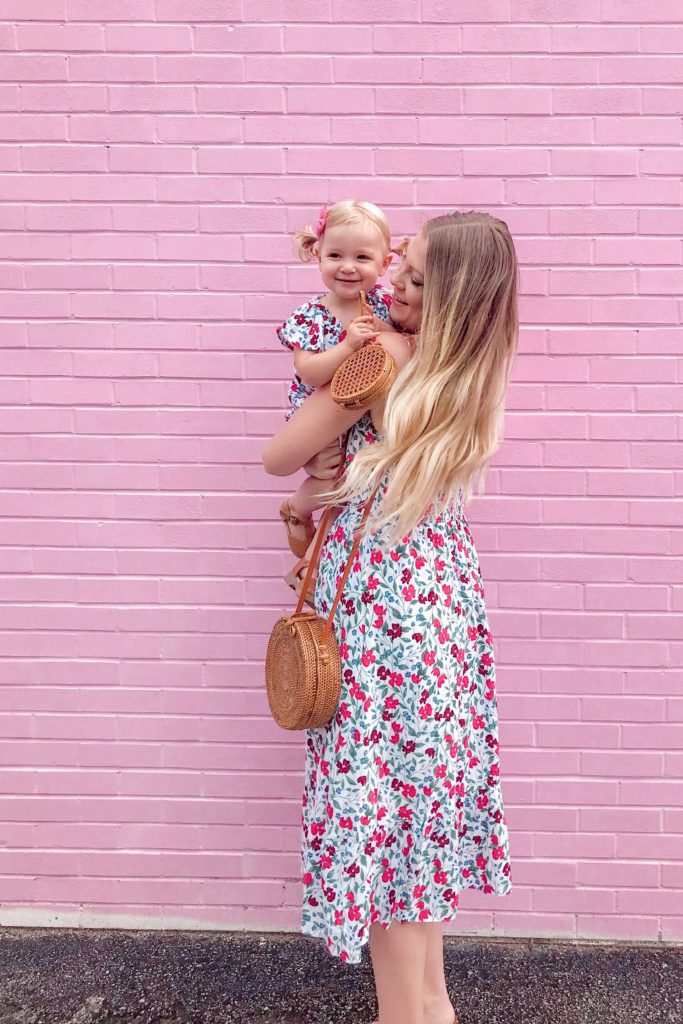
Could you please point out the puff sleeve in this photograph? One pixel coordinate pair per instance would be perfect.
(302, 330)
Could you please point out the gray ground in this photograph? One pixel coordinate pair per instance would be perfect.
(124, 977)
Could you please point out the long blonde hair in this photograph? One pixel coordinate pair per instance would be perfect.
(347, 211)
(444, 414)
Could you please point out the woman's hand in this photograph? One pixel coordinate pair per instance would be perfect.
(325, 464)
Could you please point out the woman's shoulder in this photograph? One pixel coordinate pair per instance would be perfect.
(399, 346)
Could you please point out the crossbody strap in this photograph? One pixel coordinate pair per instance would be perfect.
(320, 536)
(349, 562)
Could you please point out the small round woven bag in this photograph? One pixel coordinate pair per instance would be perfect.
(364, 375)
(303, 665)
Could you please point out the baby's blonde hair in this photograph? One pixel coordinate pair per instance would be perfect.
(348, 211)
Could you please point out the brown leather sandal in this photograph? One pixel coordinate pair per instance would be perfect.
(297, 544)
(295, 579)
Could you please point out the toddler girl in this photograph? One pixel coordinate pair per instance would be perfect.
(352, 246)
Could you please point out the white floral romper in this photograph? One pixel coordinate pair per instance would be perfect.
(402, 803)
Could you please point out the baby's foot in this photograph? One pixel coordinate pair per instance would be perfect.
(300, 531)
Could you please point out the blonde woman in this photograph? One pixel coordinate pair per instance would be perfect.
(402, 806)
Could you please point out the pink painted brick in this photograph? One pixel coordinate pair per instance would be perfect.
(199, 69)
(595, 38)
(468, 10)
(147, 255)
(330, 100)
(596, 100)
(196, 10)
(512, 100)
(112, 68)
(466, 70)
(635, 130)
(418, 100)
(409, 39)
(62, 38)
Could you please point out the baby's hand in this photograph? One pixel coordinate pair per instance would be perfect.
(360, 331)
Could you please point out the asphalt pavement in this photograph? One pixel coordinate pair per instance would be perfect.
(72, 976)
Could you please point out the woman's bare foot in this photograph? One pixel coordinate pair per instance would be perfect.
(444, 1015)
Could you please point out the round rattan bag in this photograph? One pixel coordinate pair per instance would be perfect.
(303, 672)
(365, 375)
(303, 664)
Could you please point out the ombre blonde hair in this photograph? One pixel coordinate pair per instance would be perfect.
(444, 414)
(348, 211)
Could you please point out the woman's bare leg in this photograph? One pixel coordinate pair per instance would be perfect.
(398, 962)
(437, 1007)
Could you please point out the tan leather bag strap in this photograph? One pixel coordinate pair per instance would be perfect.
(349, 562)
(321, 533)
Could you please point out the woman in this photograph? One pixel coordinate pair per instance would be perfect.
(402, 805)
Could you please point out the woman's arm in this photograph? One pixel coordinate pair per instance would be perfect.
(320, 421)
(314, 425)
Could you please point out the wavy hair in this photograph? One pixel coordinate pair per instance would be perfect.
(443, 418)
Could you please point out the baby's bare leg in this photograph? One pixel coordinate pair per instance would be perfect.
(307, 498)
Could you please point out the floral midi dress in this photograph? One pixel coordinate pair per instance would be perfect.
(402, 802)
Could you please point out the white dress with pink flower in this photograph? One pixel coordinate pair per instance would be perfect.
(402, 803)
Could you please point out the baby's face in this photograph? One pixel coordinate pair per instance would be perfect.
(352, 257)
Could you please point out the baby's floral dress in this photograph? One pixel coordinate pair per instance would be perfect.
(314, 328)
(402, 802)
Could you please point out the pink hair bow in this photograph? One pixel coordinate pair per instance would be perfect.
(322, 220)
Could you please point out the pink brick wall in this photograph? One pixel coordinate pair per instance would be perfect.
(156, 157)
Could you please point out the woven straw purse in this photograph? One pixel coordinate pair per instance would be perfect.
(365, 375)
(303, 665)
